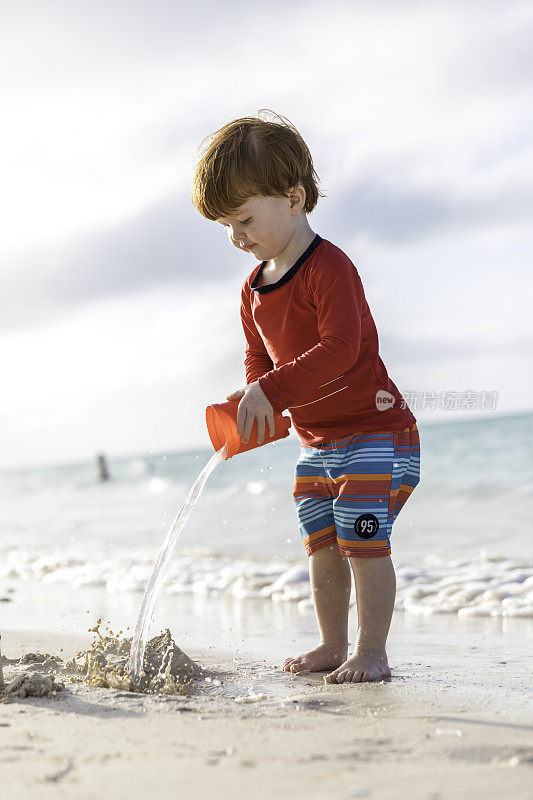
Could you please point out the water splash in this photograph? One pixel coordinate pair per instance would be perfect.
(166, 668)
(140, 636)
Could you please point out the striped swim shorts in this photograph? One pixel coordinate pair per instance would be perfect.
(350, 491)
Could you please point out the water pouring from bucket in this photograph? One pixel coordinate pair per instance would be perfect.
(221, 419)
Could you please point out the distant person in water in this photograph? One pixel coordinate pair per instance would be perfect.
(103, 472)
(311, 346)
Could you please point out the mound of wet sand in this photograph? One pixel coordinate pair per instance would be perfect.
(31, 684)
(166, 668)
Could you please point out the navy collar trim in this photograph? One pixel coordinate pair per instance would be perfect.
(270, 287)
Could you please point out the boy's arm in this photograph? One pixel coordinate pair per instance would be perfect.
(256, 361)
(339, 299)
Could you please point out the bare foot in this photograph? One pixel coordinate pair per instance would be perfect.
(324, 656)
(362, 665)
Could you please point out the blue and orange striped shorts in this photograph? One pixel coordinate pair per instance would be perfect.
(349, 491)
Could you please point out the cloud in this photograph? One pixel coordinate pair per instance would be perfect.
(169, 243)
(419, 131)
(425, 349)
(502, 59)
(396, 210)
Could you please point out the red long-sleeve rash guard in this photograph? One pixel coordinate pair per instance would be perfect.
(313, 345)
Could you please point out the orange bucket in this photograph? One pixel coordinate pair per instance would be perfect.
(221, 421)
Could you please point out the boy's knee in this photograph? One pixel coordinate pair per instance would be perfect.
(370, 561)
(330, 551)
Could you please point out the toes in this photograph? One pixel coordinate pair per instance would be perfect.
(289, 661)
(346, 675)
(337, 676)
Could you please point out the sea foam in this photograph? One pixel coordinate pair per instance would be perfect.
(485, 585)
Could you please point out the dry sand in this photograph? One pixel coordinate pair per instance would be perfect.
(296, 738)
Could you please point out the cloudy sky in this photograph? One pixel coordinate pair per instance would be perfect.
(119, 303)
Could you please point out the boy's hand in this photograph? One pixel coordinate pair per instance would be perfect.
(254, 405)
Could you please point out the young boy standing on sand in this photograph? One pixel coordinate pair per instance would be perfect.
(312, 348)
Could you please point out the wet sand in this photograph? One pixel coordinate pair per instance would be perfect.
(455, 720)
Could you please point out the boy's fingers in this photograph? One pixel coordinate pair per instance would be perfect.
(248, 428)
(260, 430)
(235, 394)
(241, 418)
(245, 423)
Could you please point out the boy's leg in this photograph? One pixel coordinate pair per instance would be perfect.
(375, 582)
(330, 578)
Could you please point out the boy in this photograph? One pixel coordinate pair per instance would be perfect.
(312, 348)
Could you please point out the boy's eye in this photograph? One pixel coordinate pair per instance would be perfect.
(244, 222)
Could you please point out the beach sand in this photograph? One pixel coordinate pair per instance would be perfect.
(455, 720)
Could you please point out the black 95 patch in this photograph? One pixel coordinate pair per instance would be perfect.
(366, 526)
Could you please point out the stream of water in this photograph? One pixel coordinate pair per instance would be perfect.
(144, 619)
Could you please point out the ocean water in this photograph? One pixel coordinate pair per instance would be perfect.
(461, 545)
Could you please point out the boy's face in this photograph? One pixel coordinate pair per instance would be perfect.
(264, 225)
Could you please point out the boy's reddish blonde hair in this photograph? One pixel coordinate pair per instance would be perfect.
(252, 156)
